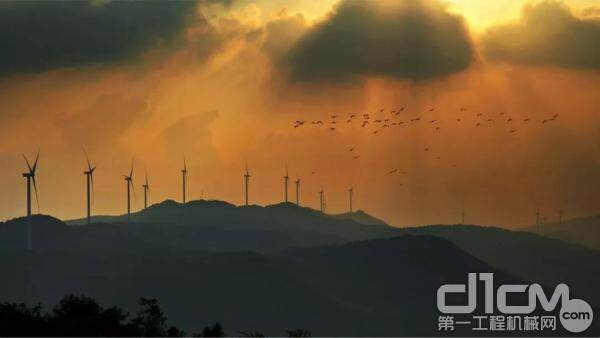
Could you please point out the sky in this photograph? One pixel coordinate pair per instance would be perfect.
(506, 93)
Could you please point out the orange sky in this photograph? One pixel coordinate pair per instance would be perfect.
(238, 103)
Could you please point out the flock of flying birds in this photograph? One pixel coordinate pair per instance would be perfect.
(382, 120)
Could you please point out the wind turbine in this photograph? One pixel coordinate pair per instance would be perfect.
(350, 192)
(146, 187)
(89, 177)
(30, 175)
(286, 178)
(184, 178)
(298, 191)
(129, 184)
(247, 181)
(322, 205)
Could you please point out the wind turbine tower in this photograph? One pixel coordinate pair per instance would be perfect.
(129, 184)
(89, 177)
(351, 191)
(298, 191)
(537, 220)
(146, 187)
(184, 178)
(321, 201)
(30, 175)
(247, 181)
(462, 216)
(286, 178)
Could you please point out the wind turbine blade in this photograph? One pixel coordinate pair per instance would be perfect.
(88, 160)
(37, 201)
(37, 157)
(184, 164)
(26, 161)
(131, 171)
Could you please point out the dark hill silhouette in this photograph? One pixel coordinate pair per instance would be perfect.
(361, 217)
(377, 287)
(583, 230)
(527, 255)
(220, 226)
(213, 226)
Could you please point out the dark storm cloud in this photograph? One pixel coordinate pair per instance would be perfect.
(547, 34)
(41, 35)
(412, 39)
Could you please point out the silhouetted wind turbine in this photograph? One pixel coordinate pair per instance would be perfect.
(89, 177)
(350, 192)
(184, 178)
(298, 191)
(30, 175)
(286, 178)
(146, 187)
(321, 202)
(129, 183)
(537, 220)
(462, 216)
(247, 181)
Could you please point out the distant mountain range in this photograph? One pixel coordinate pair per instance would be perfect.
(281, 266)
(360, 217)
(379, 287)
(584, 230)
